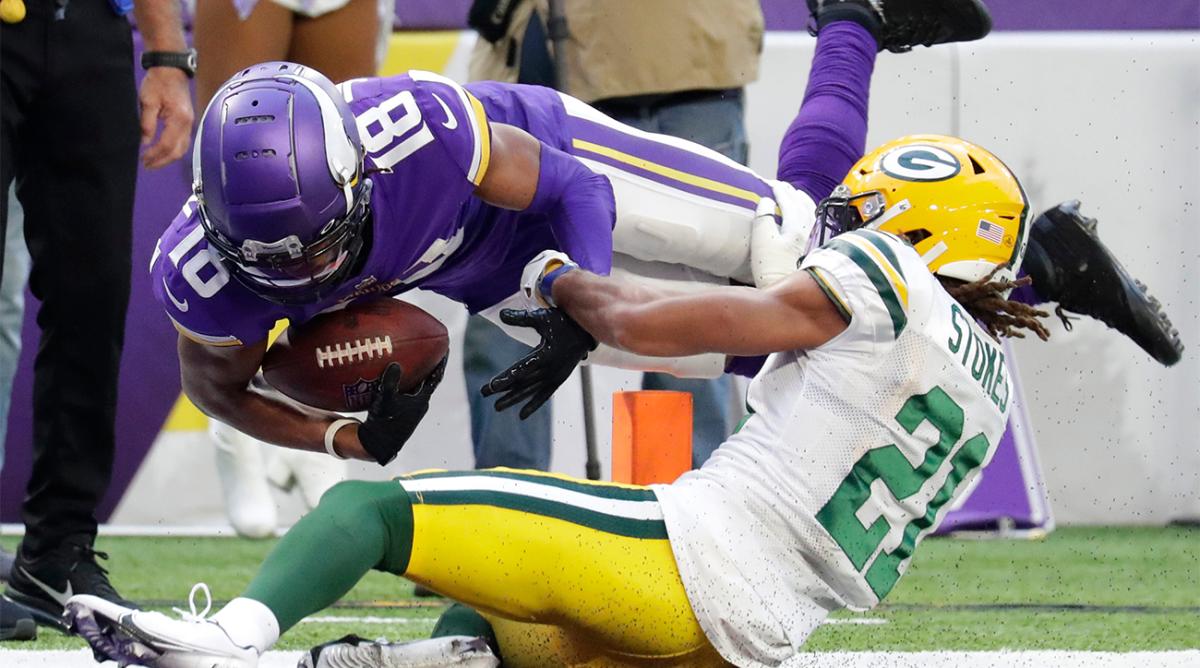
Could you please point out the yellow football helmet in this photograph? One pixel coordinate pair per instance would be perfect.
(962, 209)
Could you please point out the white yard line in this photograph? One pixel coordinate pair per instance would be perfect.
(374, 619)
(1001, 659)
(1005, 659)
(368, 619)
(83, 659)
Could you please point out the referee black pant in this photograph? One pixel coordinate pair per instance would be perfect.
(68, 112)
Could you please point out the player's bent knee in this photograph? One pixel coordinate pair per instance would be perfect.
(379, 508)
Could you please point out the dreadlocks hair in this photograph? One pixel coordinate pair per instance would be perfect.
(984, 299)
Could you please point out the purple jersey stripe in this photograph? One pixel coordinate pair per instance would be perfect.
(692, 168)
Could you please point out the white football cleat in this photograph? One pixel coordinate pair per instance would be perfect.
(355, 652)
(141, 638)
(243, 474)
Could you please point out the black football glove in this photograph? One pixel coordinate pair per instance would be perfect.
(393, 416)
(537, 375)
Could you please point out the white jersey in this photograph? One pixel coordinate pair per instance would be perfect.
(854, 452)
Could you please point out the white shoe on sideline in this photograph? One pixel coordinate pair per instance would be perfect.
(243, 473)
(355, 652)
(312, 472)
(130, 636)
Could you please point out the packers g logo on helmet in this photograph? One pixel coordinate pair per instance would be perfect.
(920, 162)
(961, 208)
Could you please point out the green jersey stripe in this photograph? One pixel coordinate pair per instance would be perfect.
(621, 526)
(877, 240)
(615, 492)
(832, 294)
(875, 274)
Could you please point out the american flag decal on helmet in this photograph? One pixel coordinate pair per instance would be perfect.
(990, 231)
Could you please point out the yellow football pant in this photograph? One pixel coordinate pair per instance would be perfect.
(568, 571)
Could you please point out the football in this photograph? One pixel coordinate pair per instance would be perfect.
(335, 360)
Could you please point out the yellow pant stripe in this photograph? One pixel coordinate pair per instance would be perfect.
(669, 172)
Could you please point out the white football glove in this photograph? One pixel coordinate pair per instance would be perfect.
(776, 250)
(531, 277)
(798, 211)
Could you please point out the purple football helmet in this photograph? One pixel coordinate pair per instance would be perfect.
(277, 170)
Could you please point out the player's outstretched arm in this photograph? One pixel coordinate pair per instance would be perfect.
(792, 314)
(219, 380)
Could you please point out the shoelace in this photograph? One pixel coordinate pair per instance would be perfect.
(919, 30)
(86, 564)
(193, 616)
(88, 555)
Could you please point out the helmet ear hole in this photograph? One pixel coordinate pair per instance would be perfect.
(915, 237)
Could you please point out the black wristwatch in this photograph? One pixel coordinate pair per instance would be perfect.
(184, 60)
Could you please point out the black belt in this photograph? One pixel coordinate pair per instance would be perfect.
(635, 105)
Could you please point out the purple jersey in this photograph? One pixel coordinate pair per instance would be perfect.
(427, 141)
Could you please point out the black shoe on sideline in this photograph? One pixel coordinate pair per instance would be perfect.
(43, 584)
(1069, 265)
(16, 622)
(904, 24)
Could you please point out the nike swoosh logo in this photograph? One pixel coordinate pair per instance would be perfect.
(60, 596)
(181, 305)
(451, 122)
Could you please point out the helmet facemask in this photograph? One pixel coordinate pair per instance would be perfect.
(288, 271)
(843, 212)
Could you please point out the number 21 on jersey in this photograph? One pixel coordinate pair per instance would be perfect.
(840, 515)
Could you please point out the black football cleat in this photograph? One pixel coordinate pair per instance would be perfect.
(908, 23)
(44, 584)
(1069, 265)
(16, 622)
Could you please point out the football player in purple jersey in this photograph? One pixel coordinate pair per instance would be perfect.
(308, 195)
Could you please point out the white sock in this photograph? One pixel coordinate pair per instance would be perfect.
(249, 623)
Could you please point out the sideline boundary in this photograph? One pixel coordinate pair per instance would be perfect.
(1003, 659)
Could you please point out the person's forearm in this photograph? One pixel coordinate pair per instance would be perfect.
(734, 320)
(603, 306)
(161, 24)
(268, 416)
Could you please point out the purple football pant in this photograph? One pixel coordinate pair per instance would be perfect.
(829, 134)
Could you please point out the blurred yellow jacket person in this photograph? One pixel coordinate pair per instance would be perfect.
(616, 47)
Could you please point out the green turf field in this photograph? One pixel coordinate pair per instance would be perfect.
(1112, 589)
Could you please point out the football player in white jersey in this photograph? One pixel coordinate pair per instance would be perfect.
(885, 393)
